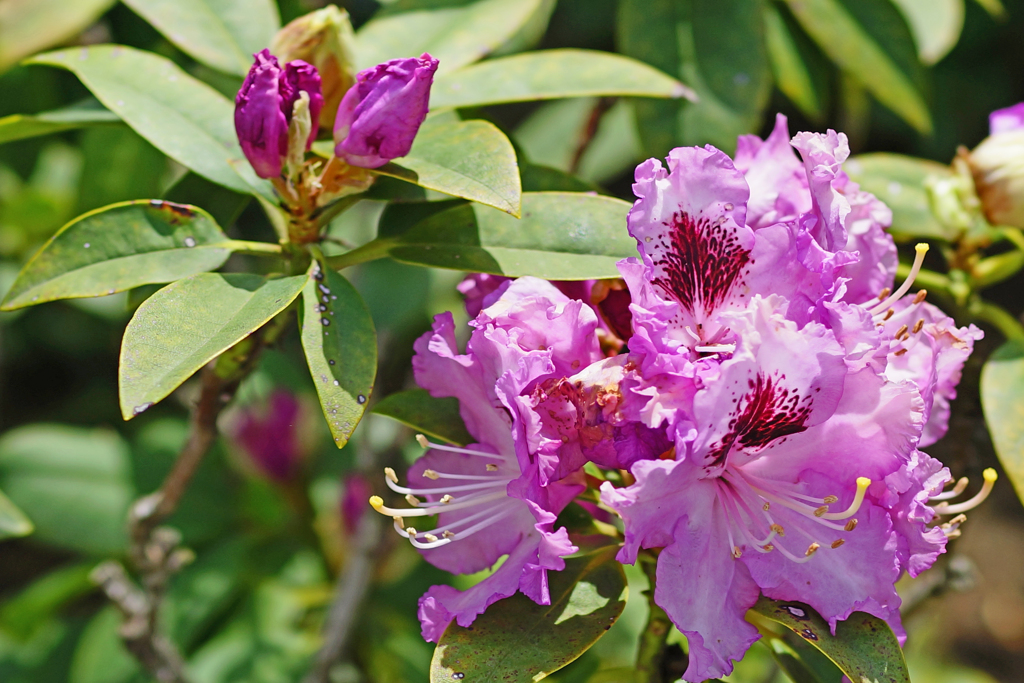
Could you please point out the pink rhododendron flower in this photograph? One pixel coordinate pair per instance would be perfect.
(269, 435)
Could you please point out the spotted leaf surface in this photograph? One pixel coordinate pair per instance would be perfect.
(187, 324)
(340, 343)
(518, 641)
(120, 247)
(864, 647)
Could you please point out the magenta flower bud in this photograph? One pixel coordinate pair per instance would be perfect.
(379, 116)
(356, 490)
(269, 436)
(265, 107)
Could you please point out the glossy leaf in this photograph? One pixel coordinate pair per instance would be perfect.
(728, 38)
(181, 116)
(518, 641)
(791, 75)
(552, 74)
(223, 34)
(29, 609)
(456, 36)
(27, 26)
(899, 182)
(340, 343)
(187, 324)
(561, 236)
(864, 647)
(223, 204)
(436, 417)
(936, 25)
(801, 662)
(847, 44)
(1002, 397)
(101, 656)
(73, 483)
(119, 247)
(469, 159)
(21, 126)
(13, 521)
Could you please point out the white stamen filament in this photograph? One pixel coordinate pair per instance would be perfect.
(921, 249)
(961, 486)
(422, 441)
(448, 489)
(430, 509)
(446, 539)
(990, 477)
(862, 486)
(716, 348)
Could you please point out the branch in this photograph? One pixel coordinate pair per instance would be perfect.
(590, 130)
(650, 657)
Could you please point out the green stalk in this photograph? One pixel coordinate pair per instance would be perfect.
(371, 251)
(997, 316)
(651, 653)
(253, 248)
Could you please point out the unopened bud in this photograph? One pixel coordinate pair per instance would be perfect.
(997, 165)
(324, 39)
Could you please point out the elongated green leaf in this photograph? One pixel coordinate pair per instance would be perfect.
(119, 247)
(13, 521)
(223, 204)
(518, 641)
(847, 44)
(791, 75)
(223, 34)
(552, 74)
(561, 236)
(31, 607)
(101, 656)
(802, 663)
(455, 35)
(1002, 397)
(437, 417)
(73, 483)
(181, 116)
(899, 181)
(864, 647)
(30, 25)
(341, 349)
(936, 25)
(21, 126)
(469, 159)
(187, 324)
(729, 41)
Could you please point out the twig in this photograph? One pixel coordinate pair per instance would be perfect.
(349, 593)
(590, 130)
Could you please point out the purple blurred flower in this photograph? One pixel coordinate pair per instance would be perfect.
(1005, 120)
(997, 165)
(355, 490)
(269, 435)
(379, 116)
(264, 109)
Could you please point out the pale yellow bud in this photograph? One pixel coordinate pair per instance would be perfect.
(324, 39)
(997, 165)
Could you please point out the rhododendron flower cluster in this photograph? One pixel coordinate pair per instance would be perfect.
(760, 425)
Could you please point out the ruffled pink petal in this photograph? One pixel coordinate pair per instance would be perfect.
(778, 183)
(823, 156)
(918, 546)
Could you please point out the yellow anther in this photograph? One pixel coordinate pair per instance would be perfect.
(836, 544)
(900, 352)
(431, 474)
(851, 525)
(445, 499)
(412, 500)
(821, 511)
(390, 474)
(767, 506)
(448, 534)
(899, 332)
(828, 500)
(920, 296)
(961, 486)
(921, 248)
(400, 521)
(411, 531)
(422, 441)
(377, 503)
(888, 314)
(918, 325)
(777, 528)
(768, 547)
(430, 537)
(884, 293)
(491, 467)
(736, 552)
(811, 549)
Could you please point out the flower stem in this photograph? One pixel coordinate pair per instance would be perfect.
(997, 316)
(371, 251)
(651, 653)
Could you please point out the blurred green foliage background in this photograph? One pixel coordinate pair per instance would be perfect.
(251, 606)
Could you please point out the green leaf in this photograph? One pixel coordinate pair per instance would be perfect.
(847, 44)
(119, 247)
(340, 343)
(1002, 398)
(864, 647)
(30, 608)
(801, 662)
(728, 37)
(398, 217)
(518, 641)
(73, 483)
(13, 521)
(223, 204)
(791, 75)
(469, 159)
(101, 656)
(181, 116)
(187, 324)
(561, 236)
(436, 417)
(936, 25)
(223, 34)
(27, 26)
(456, 36)
(21, 126)
(552, 74)
(899, 181)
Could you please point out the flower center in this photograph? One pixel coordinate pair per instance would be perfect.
(480, 499)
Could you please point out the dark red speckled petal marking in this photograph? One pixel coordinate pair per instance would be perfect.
(701, 263)
(768, 411)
